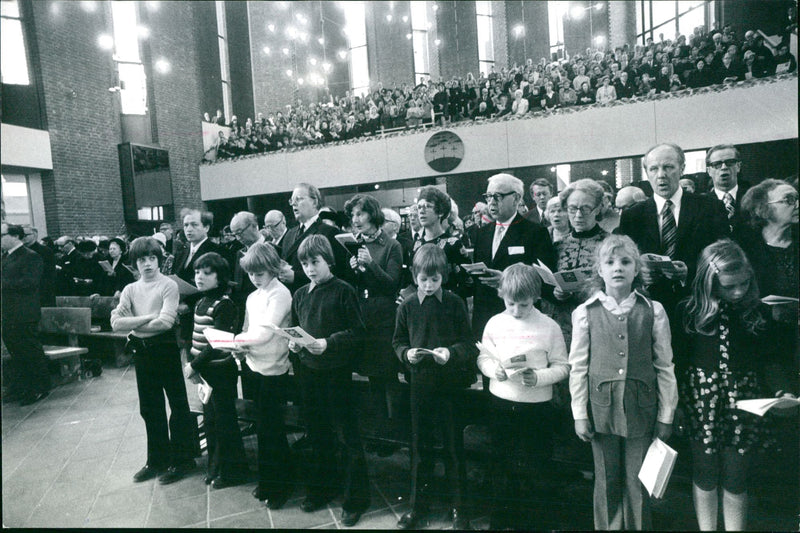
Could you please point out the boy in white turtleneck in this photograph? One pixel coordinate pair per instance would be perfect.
(528, 356)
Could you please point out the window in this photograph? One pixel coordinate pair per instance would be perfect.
(16, 199)
(356, 29)
(132, 79)
(14, 57)
(419, 32)
(654, 18)
(483, 11)
(555, 14)
(224, 65)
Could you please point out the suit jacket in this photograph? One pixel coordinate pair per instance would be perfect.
(702, 221)
(21, 277)
(187, 274)
(533, 216)
(524, 241)
(294, 237)
(737, 202)
(47, 288)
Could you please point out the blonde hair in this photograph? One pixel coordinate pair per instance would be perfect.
(261, 257)
(520, 282)
(620, 244)
(704, 304)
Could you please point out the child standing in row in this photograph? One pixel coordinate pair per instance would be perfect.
(267, 354)
(436, 320)
(227, 463)
(724, 352)
(147, 309)
(522, 337)
(622, 383)
(327, 308)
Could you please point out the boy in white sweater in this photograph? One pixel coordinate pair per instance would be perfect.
(528, 355)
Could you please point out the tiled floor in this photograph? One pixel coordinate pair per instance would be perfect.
(67, 461)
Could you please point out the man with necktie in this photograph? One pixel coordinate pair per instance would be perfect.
(723, 164)
(674, 223)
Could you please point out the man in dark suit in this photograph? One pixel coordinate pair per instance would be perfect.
(196, 225)
(673, 223)
(541, 192)
(723, 164)
(275, 224)
(21, 276)
(306, 202)
(47, 287)
(510, 239)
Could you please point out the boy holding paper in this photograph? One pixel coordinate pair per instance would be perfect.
(327, 308)
(523, 354)
(432, 338)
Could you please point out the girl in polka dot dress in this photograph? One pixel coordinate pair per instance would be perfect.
(722, 348)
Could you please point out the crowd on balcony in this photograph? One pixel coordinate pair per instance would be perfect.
(698, 60)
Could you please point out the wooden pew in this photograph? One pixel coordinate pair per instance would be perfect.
(69, 322)
(100, 333)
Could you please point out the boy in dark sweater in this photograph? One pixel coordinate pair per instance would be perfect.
(433, 339)
(327, 308)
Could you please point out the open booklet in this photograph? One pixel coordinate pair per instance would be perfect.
(513, 365)
(566, 280)
(761, 405)
(348, 240)
(657, 468)
(204, 391)
(294, 333)
(774, 299)
(106, 266)
(660, 263)
(475, 269)
(220, 340)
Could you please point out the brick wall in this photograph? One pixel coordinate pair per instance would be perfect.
(83, 194)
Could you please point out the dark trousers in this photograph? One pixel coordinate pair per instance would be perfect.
(275, 466)
(329, 410)
(250, 383)
(521, 448)
(431, 408)
(158, 371)
(28, 371)
(620, 501)
(226, 456)
(386, 407)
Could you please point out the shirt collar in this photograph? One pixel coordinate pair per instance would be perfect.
(721, 194)
(676, 200)
(193, 247)
(313, 285)
(17, 247)
(610, 303)
(307, 224)
(506, 223)
(421, 295)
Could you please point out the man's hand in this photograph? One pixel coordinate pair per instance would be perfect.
(294, 347)
(649, 276)
(286, 275)
(680, 274)
(318, 347)
(491, 277)
(413, 356)
(561, 295)
(583, 428)
(441, 355)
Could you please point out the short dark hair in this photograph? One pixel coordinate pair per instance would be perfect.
(719, 147)
(542, 182)
(440, 200)
(145, 247)
(314, 246)
(430, 260)
(367, 204)
(215, 263)
(16, 231)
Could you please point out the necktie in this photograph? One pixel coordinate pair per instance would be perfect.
(729, 207)
(499, 231)
(189, 259)
(669, 230)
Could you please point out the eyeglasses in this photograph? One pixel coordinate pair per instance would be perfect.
(295, 201)
(789, 199)
(424, 207)
(585, 210)
(496, 197)
(238, 233)
(273, 226)
(716, 165)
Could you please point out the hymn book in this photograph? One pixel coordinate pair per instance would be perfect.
(657, 468)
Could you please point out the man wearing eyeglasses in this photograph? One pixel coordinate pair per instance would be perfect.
(723, 164)
(275, 224)
(306, 202)
(508, 239)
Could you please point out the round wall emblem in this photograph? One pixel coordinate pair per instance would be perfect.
(444, 151)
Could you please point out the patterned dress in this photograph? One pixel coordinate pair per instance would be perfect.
(709, 394)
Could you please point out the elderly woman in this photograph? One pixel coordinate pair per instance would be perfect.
(559, 223)
(376, 264)
(119, 276)
(520, 105)
(582, 201)
(606, 93)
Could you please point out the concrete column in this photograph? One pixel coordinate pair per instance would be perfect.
(621, 23)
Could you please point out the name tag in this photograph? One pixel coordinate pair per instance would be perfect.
(516, 250)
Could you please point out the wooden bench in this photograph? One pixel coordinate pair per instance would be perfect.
(100, 331)
(69, 322)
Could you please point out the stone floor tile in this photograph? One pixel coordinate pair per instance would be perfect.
(232, 500)
(179, 512)
(54, 512)
(382, 519)
(135, 497)
(121, 519)
(256, 519)
(291, 516)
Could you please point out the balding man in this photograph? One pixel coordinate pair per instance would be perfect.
(275, 224)
(629, 196)
(674, 223)
(509, 239)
